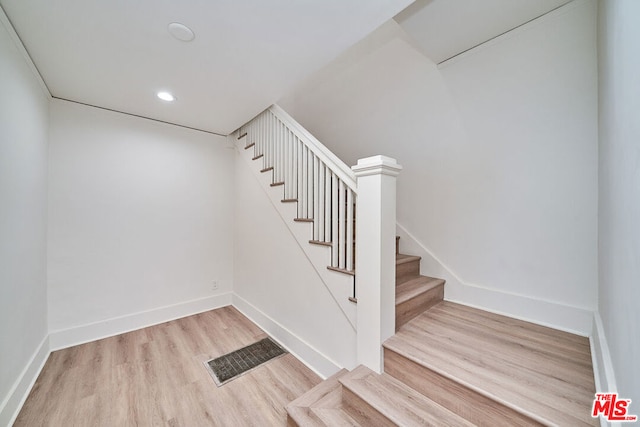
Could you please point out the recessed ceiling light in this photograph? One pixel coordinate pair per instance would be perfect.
(166, 96)
(181, 32)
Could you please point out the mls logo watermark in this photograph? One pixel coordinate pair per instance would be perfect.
(612, 408)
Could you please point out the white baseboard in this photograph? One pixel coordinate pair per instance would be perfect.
(10, 407)
(316, 361)
(602, 364)
(553, 314)
(110, 327)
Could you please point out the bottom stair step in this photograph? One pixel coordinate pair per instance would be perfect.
(381, 400)
(321, 406)
(319, 417)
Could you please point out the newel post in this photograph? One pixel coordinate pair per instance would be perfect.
(375, 256)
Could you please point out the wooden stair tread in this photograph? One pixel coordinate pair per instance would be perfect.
(320, 242)
(407, 268)
(303, 417)
(403, 258)
(322, 405)
(319, 391)
(542, 373)
(303, 219)
(334, 417)
(342, 270)
(396, 401)
(414, 287)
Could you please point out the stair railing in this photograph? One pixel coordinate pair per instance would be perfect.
(323, 186)
(326, 191)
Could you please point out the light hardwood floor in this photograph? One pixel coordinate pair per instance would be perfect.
(156, 377)
(452, 354)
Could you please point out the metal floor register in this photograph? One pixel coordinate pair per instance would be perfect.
(230, 366)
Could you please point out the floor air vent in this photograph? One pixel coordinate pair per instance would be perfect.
(230, 366)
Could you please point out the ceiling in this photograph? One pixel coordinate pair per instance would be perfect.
(247, 54)
(444, 28)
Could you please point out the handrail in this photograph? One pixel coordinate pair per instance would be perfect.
(339, 167)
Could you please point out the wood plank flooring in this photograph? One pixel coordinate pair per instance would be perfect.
(536, 370)
(156, 377)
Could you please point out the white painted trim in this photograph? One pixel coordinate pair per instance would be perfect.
(601, 361)
(12, 404)
(576, 320)
(605, 374)
(4, 19)
(375, 257)
(118, 325)
(554, 315)
(337, 166)
(318, 362)
(376, 165)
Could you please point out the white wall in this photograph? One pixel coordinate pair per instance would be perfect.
(276, 285)
(23, 191)
(619, 204)
(140, 222)
(499, 149)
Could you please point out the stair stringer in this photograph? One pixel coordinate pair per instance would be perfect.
(339, 285)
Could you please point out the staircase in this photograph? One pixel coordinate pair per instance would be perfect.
(447, 364)
(452, 365)
(320, 186)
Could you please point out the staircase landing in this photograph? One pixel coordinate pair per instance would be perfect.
(488, 367)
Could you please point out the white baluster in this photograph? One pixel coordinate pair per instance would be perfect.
(310, 188)
(316, 201)
(349, 239)
(267, 140)
(299, 180)
(334, 220)
(276, 143)
(287, 163)
(341, 222)
(274, 147)
(320, 209)
(285, 157)
(327, 205)
(263, 133)
(291, 184)
(278, 166)
(281, 166)
(255, 129)
(269, 156)
(305, 182)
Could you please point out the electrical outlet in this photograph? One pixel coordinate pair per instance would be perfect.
(214, 285)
